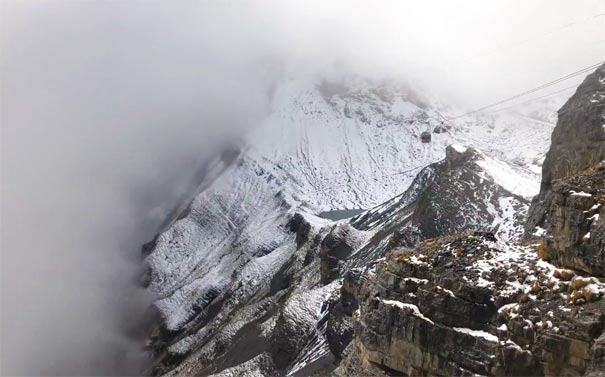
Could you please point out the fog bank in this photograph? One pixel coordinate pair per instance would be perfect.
(108, 109)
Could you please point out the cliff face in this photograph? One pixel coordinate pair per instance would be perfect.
(471, 306)
(568, 212)
(578, 140)
(574, 233)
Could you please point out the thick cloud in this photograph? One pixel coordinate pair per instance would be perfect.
(108, 108)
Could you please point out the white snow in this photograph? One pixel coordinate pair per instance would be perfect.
(539, 232)
(304, 308)
(417, 280)
(414, 259)
(459, 148)
(415, 311)
(509, 342)
(596, 288)
(477, 333)
(481, 282)
(593, 208)
(509, 228)
(510, 308)
(564, 309)
(445, 290)
(509, 178)
(581, 193)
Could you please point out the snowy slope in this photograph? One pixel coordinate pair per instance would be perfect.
(347, 150)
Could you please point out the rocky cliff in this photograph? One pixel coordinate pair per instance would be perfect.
(472, 306)
(574, 226)
(568, 212)
(578, 140)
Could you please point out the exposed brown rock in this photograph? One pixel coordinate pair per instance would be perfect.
(575, 222)
(435, 311)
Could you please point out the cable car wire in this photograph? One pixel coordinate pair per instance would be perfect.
(533, 90)
(396, 173)
(535, 99)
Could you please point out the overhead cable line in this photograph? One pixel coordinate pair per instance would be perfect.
(534, 99)
(396, 173)
(533, 90)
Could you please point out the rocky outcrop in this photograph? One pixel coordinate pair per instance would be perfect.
(574, 235)
(336, 248)
(568, 212)
(468, 306)
(464, 192)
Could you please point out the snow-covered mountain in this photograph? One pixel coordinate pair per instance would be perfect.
(357, 145)
(230, 266)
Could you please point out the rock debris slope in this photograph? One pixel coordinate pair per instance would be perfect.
(249, 281)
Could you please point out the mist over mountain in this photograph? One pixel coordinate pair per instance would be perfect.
(115, 119)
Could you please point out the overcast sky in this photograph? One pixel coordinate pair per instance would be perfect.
(108, 108)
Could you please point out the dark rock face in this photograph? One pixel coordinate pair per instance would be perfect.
(598, 357)
(440, 129)
(578, 140)
(575, 231)
(336, 247)
(569, 207)
(299, 225)
(459, 197)
(458, 306)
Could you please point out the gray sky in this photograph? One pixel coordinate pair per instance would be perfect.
(108, 108)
